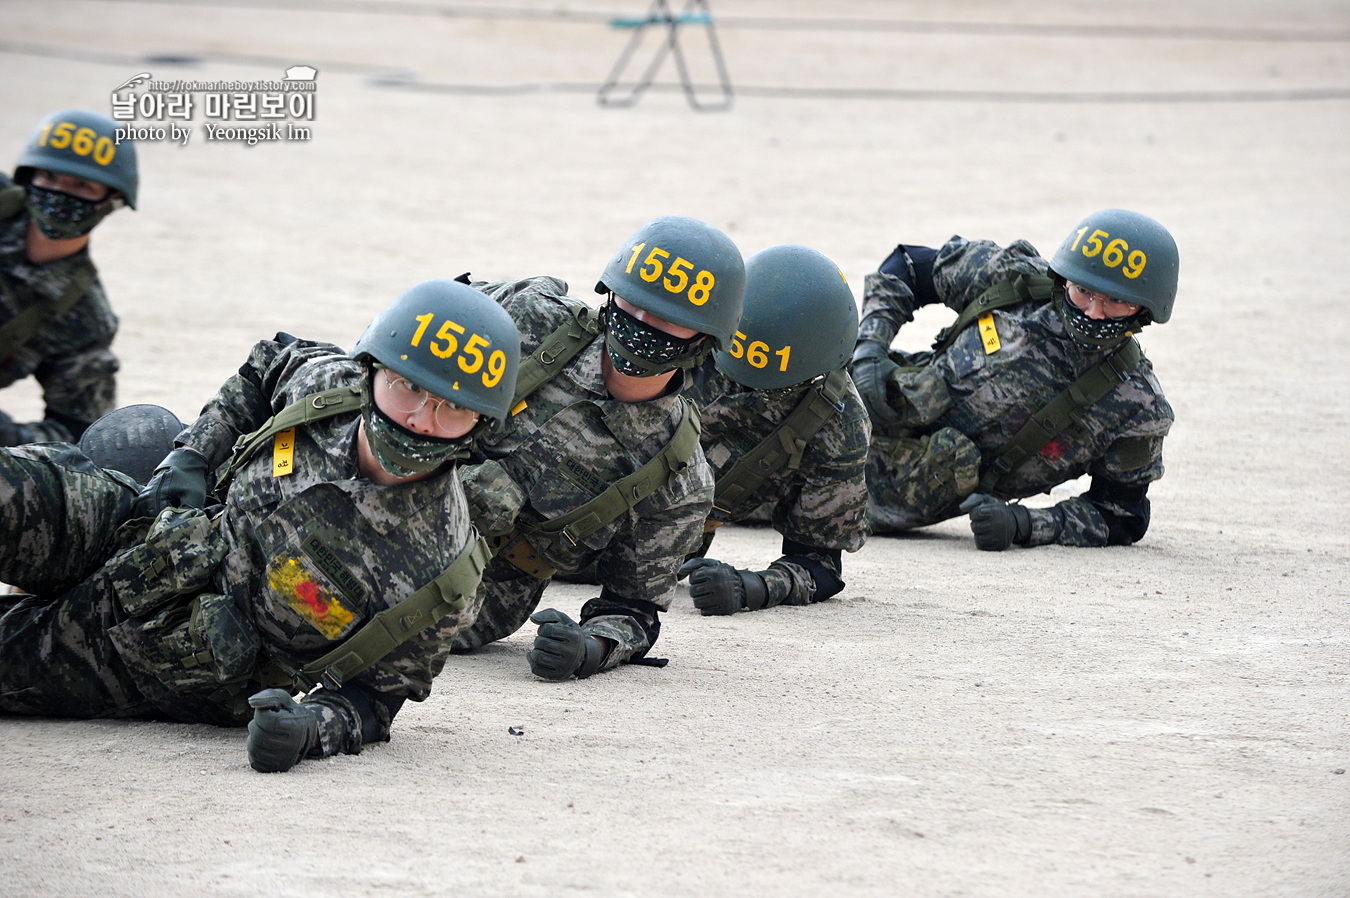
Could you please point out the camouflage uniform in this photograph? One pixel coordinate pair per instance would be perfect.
(820, 507)
(961, 406)
(292, 565)
(71, 357)
(569, 443)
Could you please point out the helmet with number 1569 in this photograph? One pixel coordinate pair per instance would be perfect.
(450, 340)
(1124, 255)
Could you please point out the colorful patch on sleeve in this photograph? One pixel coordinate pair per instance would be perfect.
(311, 601)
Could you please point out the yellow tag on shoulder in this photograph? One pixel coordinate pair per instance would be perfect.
(283, 453)
(989, 333)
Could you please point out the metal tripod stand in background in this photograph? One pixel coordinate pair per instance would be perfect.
(695, 12)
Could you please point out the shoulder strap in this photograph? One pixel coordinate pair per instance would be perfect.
(561, 347)
(782, 447)
(1062, 411)
(314, 407)
(623, 494)
(12, 200)
(29, 323)
(390, 628)
(1009, 292)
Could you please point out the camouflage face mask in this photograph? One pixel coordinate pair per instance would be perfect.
(61, 216)
(403, 453)
(640, 350)
(1093, 333)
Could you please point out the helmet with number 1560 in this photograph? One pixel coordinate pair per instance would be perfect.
(1124, 255)
(84, 145)
(683, 271)
(450, 340)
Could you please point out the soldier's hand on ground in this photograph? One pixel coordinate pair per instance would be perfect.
(281, 732)
(871, 370)
(562, 648)
(178, 482)
(996, 524)
(719, 588)
(692, 565)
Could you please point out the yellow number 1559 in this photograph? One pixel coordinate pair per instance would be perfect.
(444, 345)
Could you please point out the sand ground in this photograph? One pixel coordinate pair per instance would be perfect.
(1168, 719)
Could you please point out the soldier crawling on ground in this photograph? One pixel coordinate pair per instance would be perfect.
(1038, 382)
(599, 464)
(294, 570)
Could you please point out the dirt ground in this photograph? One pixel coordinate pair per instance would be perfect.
(1166, 719)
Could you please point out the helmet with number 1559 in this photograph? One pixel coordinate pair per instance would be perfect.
(1124, 255)
(683, 271)
(450, 340)
(799, 320)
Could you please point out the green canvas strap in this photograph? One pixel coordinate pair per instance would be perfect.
(1062, 411)
(314, 407)
(31, 320)
(561, 347)
(783, 447)
(390, 628)
(1010, 292)
(571, 528)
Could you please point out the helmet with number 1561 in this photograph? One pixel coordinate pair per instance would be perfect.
(683, 271)
(1124, 255)
(799, 321)
(450, 340)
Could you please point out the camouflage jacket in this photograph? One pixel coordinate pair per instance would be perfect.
(820, 507)
(313, 554)
(568, 444)
(992, 395)
(71, 357)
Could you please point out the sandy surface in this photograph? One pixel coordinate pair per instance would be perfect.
(1168, 719)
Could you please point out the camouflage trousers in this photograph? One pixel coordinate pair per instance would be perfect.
(917, 481)
(59, 516)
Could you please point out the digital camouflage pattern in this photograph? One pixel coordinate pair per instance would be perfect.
(569, 443)
(71, 358)
(274, 578)
(821, 505)
(962, 405)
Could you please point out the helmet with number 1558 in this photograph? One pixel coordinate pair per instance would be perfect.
(450, 340)
(683, 271)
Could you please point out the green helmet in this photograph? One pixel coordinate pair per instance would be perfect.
(1124, 255)
(451, 340)
(799, 322)
(682, 270)
(83, 144)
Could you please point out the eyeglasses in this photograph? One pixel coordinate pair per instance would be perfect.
(406, 398)
(1082, 297)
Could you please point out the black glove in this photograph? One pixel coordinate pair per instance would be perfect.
(872, 369)
(719, 588)
(281, 732)
(562, 649)
(178, 482)
(996, 524)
